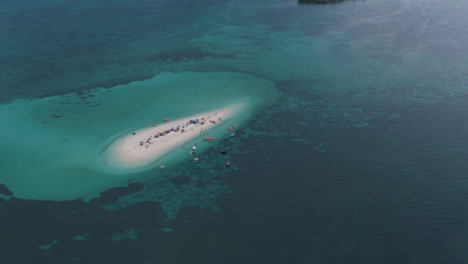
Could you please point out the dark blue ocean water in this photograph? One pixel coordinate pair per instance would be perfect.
(362, 159)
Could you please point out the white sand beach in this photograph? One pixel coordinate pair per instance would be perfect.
(147, 145)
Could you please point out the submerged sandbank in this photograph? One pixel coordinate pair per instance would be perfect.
(56, 148)
(145, 146)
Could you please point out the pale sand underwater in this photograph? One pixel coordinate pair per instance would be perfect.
(55, 147)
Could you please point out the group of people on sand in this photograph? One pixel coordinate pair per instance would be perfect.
(180, 128)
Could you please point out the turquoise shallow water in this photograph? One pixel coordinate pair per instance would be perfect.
(354, 150)
(56, 145)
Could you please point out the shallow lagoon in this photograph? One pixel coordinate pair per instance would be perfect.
(55, 144)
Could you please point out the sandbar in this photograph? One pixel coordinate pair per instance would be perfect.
(152, 143)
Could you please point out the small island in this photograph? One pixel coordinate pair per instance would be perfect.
(144, 146)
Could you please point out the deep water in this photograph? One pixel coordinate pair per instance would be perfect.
(359, 156)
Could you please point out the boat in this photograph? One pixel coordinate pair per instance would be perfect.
(194, 149)
(162, 167)
(225, 150)
(228, 163)
(196, 159)
(232, 134)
